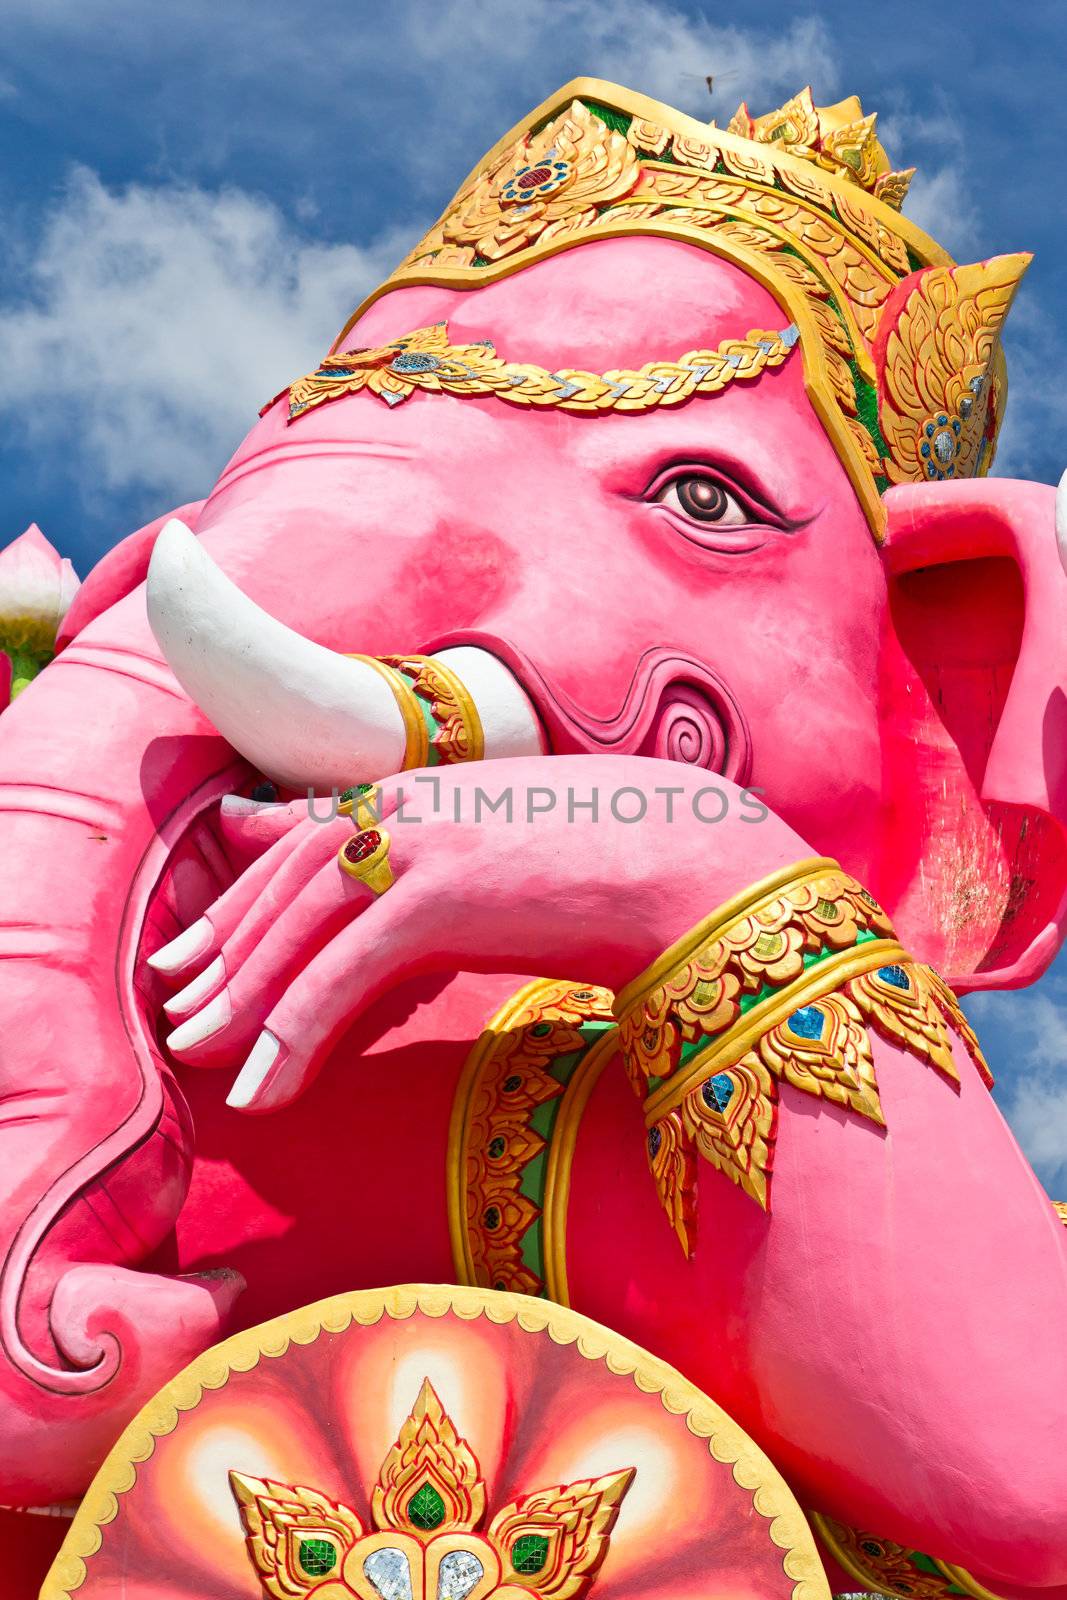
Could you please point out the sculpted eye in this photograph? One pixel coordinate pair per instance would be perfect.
(703, 499)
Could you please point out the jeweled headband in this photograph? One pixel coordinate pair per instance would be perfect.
(426, 360)
(900, 347)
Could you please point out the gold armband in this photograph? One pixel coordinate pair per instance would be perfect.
(782, 982)
(441, 721)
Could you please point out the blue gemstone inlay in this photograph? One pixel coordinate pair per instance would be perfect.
(808, 1022)
(718, 1091)
(896, 976)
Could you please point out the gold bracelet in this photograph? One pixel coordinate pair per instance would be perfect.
(782, 982)
(416, 733)
(459, 735)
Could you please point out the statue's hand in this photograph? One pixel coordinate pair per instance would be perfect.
(297, 948)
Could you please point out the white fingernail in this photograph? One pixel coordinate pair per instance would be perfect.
(195, 941)
(215, 1015)
(189, 998)
(251, 1077)
(238, 805)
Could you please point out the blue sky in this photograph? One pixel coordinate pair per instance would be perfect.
(193, 198)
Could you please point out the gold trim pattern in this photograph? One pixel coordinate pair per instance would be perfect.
(733, 964)
(941, 396)
(560, 1160)
(504, 1118)
(768, 1014)
(802, 200)
(425, 360)
(780, 984)
(672, 1162)
(894, 1569)
(752, 1471)
(429, 1443)
(724, 1103)
(459, 735)
(838, 138)
(416, 734)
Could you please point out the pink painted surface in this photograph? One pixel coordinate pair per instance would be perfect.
(901, 711)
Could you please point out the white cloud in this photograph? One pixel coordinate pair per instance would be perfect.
(1036, 414)
(646, 44)
(940, 199)
(191, 304)
(157, 320)
(1033, 1025)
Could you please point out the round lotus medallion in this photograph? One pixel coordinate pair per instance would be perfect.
(435, 1443)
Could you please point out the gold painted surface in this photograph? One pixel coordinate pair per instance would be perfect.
(838, 138)
(417, 738)
(888, 1568)
(505, 1079)
(708, 928)
(561, 1160)
(425, 360)
(806, 191)
(459, 735)
(772, 1499)
(941, 397)
(724, 970)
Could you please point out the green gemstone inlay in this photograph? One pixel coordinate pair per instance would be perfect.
(426, 1509)
(529, 1553)
(317, 1557)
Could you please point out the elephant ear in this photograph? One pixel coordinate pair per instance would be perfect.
(296, 1537)
(974, 708)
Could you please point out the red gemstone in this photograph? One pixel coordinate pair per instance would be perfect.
(531, 179)
(362, 846)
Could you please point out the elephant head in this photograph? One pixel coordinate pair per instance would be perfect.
(663, 442)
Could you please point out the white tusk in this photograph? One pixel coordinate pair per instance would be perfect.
(303, 715)
(509, 721)
(1061, 520)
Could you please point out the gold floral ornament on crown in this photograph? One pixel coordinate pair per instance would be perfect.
(426, 1506)
(838, 138)
(901, 347)
(426, 360)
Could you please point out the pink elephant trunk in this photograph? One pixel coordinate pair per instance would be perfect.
(103, 762)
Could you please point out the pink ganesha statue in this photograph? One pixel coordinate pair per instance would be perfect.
(595, 933)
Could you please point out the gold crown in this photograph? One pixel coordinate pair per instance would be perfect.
(838, 138)
(901, 347)
(428, 1501)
